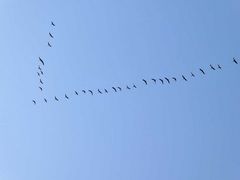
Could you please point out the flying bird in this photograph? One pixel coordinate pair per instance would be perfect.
(41, 72)
(212, 67)
(90, 92)
(235, 61)
(41, 81)
(134, 86)
(128, 87)
(161, 80)
(99, 91)
(52, 23)
(49, 44)
(45, 100)
(114, 89)
(219, 67)
(202, 71)
(38, 74)
(40, 88)
(175, 79)
(106, 91)
(56, 98)
(51, 35)
(40, 59)
(167, 80)
(84, 91)
(120, 89)
(66, 96)
(34, 102)
(144, 81)
(154, 80)
(184, 77)
(76, 93)
(192, 74)
(39, 68)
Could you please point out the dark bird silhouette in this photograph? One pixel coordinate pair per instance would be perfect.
(184, 77)
(154, 80)
(34, 102)
(41, 72)
(144, 81)
(56, 98)
(219, 67)
(134, 86)
(202, 71)
(40, 88)
(40, 59)
(99, 91)
(41, 81)
(175, 79)
(167, 80)
(120, 89)
(38, 74)
(84, 91)
(90, 92)
(192, 74)
(51, 35)
(76, 93)
(114, 89)
(235, 61)
(39, 68)
(128, 87)
(52, 23)
(106, 91)
(161, 80)
(212, 67)
(49, 44)
(45, 100)
(66, 96)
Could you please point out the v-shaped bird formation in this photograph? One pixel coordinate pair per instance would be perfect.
(117, 89)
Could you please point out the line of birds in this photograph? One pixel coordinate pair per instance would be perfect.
(144, 81)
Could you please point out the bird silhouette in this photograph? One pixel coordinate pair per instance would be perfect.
(235, 61)
(56, 98)
(90, 92)
(192, 74)
(128, 87)
(106, 91)
(184, 77)
(52, 23)
(167, 80)
(41, 81)
(99, 91)
(161, 80)
(39, 68)
(219, 67)
(154, 80)
(114, 89)
(175, 79)
(41, 72)
(84, 91)
(51, 35)
(34, 102)
(202, 71)
(49, 44)
(38, 74)
(40, 59)
(134, 86)
(144, 81)
(76, 93)
(45, 100)
(66, 96)
(40, 88)
(120, 89)
(212, 67)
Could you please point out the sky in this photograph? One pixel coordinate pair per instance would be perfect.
(181, 131)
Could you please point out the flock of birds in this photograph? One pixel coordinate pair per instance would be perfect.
(115, 89)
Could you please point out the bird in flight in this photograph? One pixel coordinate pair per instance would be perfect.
(212, 67)
(192, 74)
(76, 93)
(90, 92)
(235, 61)
(84, 91)
(49, 44)
(40, 88)
(99, 91)
(167, 80)
(41, 72)
(66, 96)
(38, 74)
(52, 23)
(106, 91)
(56, 98)
(175, 79)
(41, 81)
(45, 100)
(114, 89)
(134, 86)
(184, 77)
(219, 67)
(39, 68)
(161, 80)
(128, 87)
(202, 71)
(120, 89)
(154, 80)
(40, 59)
(51, 35)
(34, 102)
(144, 81)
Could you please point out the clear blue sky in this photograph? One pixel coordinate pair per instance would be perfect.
(183, 131)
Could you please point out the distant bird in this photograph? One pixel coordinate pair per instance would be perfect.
(56, 98)
(192, 74)
(66, 96)
(144, 81)
(167, 80)
(219, 67)
(154, 80)
(84, 91)
(49, 44)
(128, 87)
(175, 79)
(45, 100)
(51, 35)
(184, 77)
(41, 81)
(106, 91)
(39, 68)
(34, 102)
(40, 59)
(99, 91)
(202, 71)
(134, 86)
(114, 89)
(212, 67)
(161, 80)
(52, 23)
(41, 72)
(120, 89)
(235, 61)
(40, 88)
(38, 74)
(76, 93)
(90, 92)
